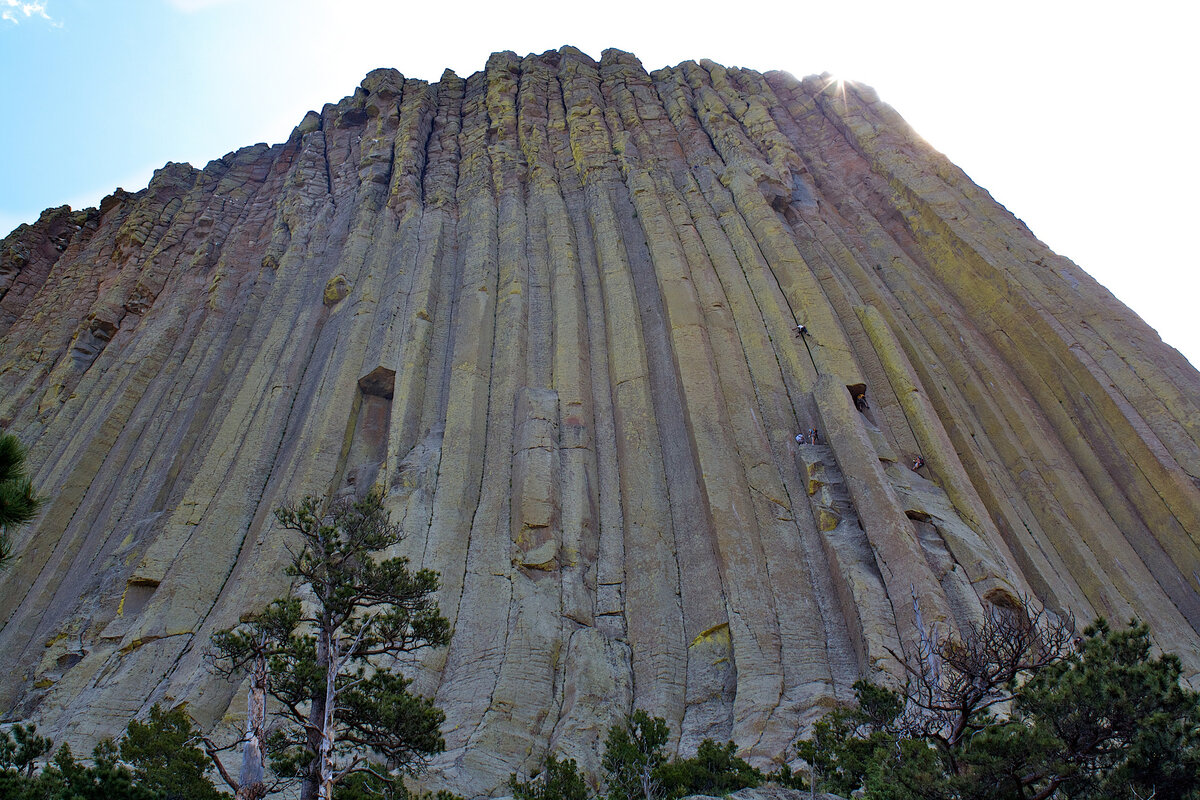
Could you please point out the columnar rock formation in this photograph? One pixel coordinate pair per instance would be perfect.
(550, 309)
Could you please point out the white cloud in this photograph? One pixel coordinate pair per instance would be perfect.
(16, 10)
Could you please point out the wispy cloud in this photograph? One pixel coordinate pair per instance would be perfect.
(15, 11)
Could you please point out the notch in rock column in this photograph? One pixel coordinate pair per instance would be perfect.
(858, 393)
(368, 445)
(379, 382)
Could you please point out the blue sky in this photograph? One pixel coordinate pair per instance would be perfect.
(1078, 116)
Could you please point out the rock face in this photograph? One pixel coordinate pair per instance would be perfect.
(769, 792)
(550, 309)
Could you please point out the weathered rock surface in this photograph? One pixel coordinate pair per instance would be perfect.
(550, 309)
(771, 792)
(765, 792)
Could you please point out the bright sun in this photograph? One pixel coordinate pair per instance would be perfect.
(838, 85)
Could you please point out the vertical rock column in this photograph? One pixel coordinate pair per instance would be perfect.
(986, 560)
(597, 675)
(906, 576)
(738, 523)
(653, 615)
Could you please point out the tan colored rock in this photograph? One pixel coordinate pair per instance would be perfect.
(549, 310)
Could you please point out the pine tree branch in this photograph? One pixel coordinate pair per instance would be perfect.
(212, 750)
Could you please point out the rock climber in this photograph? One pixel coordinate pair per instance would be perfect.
(860, 400)
(812, 435)
(800, 439)
(918, 462)
(801, 331)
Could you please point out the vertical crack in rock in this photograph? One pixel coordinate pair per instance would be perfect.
(549, 310)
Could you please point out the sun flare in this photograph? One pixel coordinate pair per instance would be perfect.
(837, 85)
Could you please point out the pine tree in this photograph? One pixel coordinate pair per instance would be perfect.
(20, 749)
(1016, 709)
(106, 778)
(18, 503)
(558, 780)
(715, 771)
(322, 654)
(1117, 720)
(634, 754)
(165, 759)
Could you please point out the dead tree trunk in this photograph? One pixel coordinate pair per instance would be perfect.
(251, 782)
(325, 756)
(315, 733)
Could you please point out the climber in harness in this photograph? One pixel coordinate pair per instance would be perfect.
(801, 331)
(812, 435)
(860, 400)
(918, 462)
(800, 439)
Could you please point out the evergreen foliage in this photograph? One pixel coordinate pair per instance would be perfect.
(848, 741)
(1098, 719)
(634, 754)
(322, 657)
(18, 503)
(369, 786)
(715, 770)
(20, 750)
(155, 760)
(636, 767)
(106, 778)
(165, 758)
(1117, 719)
(558, 780)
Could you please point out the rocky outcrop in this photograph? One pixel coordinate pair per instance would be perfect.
(771, 792)
(550, 309)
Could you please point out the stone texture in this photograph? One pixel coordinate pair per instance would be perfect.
(549, 309)
(772, 792)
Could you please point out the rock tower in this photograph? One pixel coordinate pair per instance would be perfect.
(551, 310)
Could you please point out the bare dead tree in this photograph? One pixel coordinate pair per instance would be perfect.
(1017, 705)
(245, 652)
(953, 683)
